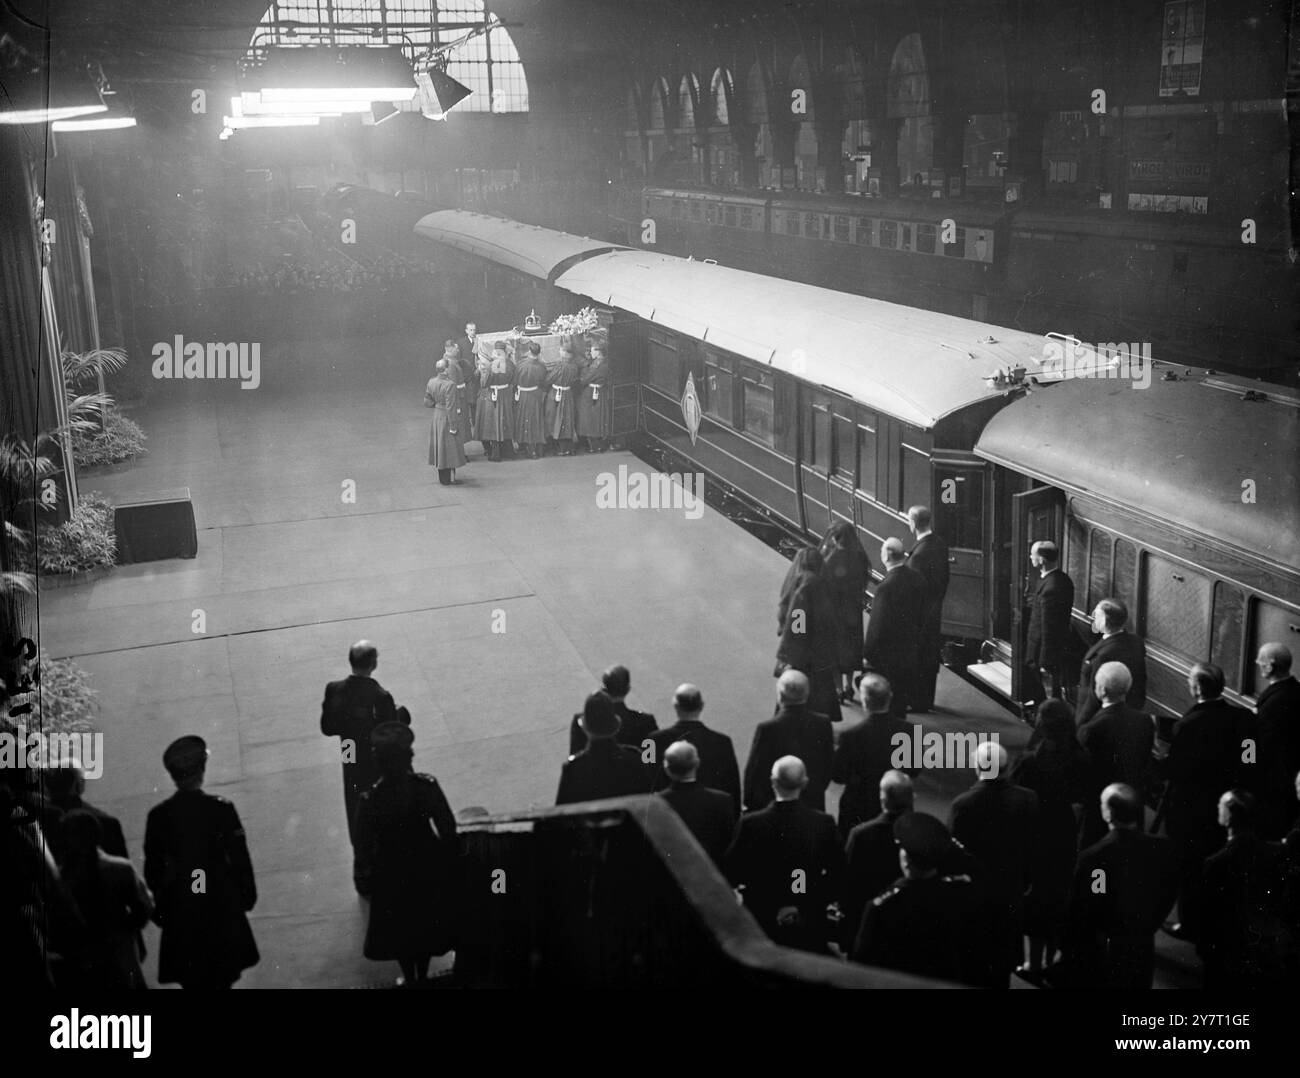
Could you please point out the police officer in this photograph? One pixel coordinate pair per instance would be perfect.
(604, 768)
(197, 865)
(928, 924)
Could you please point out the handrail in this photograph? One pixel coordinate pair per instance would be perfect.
(732, 927)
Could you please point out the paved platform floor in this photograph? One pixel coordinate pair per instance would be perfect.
(495, 605)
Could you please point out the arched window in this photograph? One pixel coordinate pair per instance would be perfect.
(718, 90)
(658, 103)
(488, 64)
(909, 82)
(686, 94)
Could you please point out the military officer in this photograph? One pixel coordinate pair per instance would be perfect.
(928, 924)
(604, 768)
(197, 865)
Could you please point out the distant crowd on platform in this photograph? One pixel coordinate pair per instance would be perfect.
(1048, 867)
(327, 272)
(514, 404)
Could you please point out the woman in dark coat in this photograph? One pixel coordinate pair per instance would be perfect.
(808, 632)
(1055, 767)
(530, 386)
(114, 903)
(561, 412)
(446, 450)
(406, 841)
(594, 406)
(494, 416)
(847, 572)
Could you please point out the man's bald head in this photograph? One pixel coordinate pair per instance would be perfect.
(891, 551)
(688, 700)
(363, 656)
(1274, 661)
(681, 761)
(792, 687)
(789, 777)
(875, 693)
(1112, 682)
(1120, 805)
(896, 792)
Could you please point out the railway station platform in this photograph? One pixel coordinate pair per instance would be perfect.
(494, 604)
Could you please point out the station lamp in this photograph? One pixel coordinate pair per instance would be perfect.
(439, 93)
(40, 96)
(307, 75)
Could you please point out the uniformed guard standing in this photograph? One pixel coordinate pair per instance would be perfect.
(530, 384)
(594, 403)
(928, 924)
(460, 369)
(494, 416)
(561, 413)
(446, 444)
(197, 865)
(604, 768)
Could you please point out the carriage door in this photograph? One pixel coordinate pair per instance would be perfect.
(817, 463)
(1038, 513)
(959, 520)
(627, 345)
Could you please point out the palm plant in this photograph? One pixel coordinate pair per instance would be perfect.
(23, 466)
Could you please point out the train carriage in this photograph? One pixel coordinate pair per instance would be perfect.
(1177, 497)
(817, 405)
(820, 405)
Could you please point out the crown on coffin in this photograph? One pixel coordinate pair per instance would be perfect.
(532, 324)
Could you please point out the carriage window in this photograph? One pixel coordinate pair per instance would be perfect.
(792, 224)
(866, 231)
(718, 381)
(843, 451)
(819, 437)
(1125, 575)
(729, 216)
(1099, 567)
(867, 458)
(1270, 624)
(925, 239)
(758, 404)
(663, 369)
(812, 226)
(905, 237)
(957, 248)
(1076, 555)
(746, 217)
(889, 234)
(841, 228)
(914, 488)
(1176, 607)
(1225, 632)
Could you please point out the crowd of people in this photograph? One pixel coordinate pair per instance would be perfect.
(1051, 866)
(511, 402)
(327, 272)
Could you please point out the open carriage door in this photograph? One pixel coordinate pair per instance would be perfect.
(1037, 514)
(627, 343)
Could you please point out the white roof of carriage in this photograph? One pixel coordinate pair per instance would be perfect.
(526, 248)
(918, 366)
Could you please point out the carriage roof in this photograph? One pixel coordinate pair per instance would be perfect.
(1181, 451)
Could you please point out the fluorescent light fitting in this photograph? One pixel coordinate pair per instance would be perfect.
(251, 104)
(95, 123)
(47, 115)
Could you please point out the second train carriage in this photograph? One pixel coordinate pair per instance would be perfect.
(820, 405)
